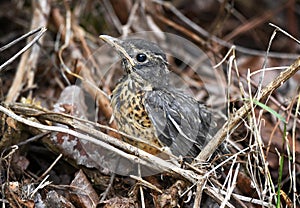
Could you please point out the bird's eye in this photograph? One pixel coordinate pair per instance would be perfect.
(141, 57)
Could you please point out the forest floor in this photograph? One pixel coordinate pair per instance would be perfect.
(58, 143)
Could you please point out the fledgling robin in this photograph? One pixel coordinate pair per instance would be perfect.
(147, 106)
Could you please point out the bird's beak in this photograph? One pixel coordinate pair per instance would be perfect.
(117, 45)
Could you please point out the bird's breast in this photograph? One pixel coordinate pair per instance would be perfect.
(130, 114)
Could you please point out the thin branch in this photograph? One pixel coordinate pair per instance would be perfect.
(41, 30)
(19, 39)
(143, 158)
(205, 34)
(237, 117)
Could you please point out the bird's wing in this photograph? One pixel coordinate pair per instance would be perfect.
(181, 123)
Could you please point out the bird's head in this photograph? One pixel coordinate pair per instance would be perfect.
(140, 57)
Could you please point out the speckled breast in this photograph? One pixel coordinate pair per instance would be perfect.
(131, 116)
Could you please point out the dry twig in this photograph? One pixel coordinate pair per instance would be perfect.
(237, 117)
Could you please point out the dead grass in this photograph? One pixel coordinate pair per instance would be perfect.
(59, 152)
